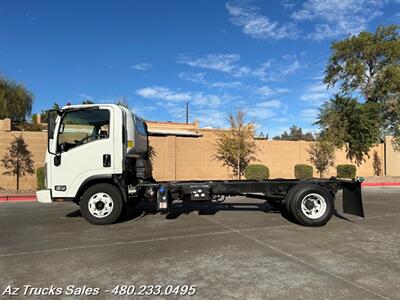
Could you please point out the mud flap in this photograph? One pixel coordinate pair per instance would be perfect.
(352, 199)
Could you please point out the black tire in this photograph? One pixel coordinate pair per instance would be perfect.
(112, 194)
(315, 192)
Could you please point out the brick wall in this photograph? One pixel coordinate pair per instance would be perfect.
(186, 158)
(37, 142)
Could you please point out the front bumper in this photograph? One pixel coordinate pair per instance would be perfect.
(44, 196)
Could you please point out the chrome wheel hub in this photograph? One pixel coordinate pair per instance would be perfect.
(313, 206)
(100, 205)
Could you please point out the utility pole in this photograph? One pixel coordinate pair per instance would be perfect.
(187, 112)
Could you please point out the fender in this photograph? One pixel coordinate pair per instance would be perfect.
(90, 181)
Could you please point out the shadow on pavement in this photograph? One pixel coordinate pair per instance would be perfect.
(140, 210)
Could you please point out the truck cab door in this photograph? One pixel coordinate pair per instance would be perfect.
(84, 143)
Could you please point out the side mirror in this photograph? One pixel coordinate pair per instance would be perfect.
(51, 123)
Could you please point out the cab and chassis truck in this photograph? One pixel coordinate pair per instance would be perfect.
(98, 157)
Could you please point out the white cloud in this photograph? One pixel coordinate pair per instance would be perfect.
(277, 70)
(263, 110)
(201, 99)
(316, 94)
(193, 77)
(142, 66)
(227, 84)
(200, 78)
(162, 93)
(220, 62)
(337, 17)
(256, 25)
(172, 97)
(309, 114)
(229, 63)
(329, 18)
(211, 118)
(291, 68)
(260, 113)
(144, 111)
(266, 91)
(287, 4)
(280, 120)
(85, 96)
(269, 104)
(261, 71)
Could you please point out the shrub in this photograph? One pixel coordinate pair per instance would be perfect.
(40, 178)
(256, 172)
(303, 171)
(377, 164)
(346, 171)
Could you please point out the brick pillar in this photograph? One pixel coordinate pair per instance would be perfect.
(171, 157)
(392, 158)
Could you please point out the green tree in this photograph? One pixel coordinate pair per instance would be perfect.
(236, 147)
(15, 101)
(321, 155)
(350, 124)
(44, 114)
(18, 160)
(368, 66)
(295, 134)
(262, 136)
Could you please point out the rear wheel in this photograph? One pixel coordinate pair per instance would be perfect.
(102, 204)
(310, 205)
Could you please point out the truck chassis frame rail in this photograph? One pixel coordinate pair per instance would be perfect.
(315, 207)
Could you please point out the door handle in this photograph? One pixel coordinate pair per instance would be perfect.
(106, 160)
(57, 160)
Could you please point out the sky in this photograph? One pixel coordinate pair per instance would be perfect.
(264, 57)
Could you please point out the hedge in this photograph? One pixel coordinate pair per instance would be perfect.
(256, 172)
(40, 178)
(346, 171)
(303, 171)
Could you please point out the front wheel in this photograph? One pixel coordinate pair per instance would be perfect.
(102, 204)
(310, 205)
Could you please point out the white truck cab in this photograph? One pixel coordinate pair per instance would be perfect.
(89, 144)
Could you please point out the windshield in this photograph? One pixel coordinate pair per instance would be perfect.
(82, 127)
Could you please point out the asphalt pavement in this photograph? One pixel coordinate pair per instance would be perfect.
(243, 250)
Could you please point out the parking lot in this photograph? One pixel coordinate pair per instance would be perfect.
(240, 251)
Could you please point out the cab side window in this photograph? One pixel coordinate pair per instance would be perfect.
(83, 126)
(140, 126)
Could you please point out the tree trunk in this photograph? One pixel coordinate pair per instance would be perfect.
(17, 172)
(239, 167)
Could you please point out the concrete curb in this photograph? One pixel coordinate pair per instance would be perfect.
(380, 184)
(14, 198)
